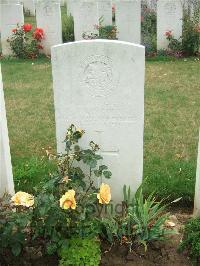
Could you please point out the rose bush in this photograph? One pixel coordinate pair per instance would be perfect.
(189, 42)
(26, 42)
(63, 206)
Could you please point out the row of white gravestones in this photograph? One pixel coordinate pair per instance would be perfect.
(10, 16)
(6, 177)
(48, 17)
(169, 18)
(87, 13)
(87, 76)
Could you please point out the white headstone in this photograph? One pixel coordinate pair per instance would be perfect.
(9, 1)
(69, 5)
(128, 20)
(62, 2)
(197, 185)
(29, 7)
(99, 86)
(48, 17)
(105, 11)
(85, 15)
(6, 177)
(10, 15)
(169, 18)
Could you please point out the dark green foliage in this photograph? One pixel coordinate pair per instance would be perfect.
(67, 28)
(191, 32)
(148, 29)
(12, 227)
(80, 252)
(191, 239)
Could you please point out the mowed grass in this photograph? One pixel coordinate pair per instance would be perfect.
(172, 119)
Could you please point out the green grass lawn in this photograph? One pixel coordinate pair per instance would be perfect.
(172, 118)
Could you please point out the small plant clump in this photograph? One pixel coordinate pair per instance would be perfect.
(191, 240)
(25, 42)
(79, 251)
(142, 221)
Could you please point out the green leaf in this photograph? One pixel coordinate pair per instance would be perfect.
(107, 174)
(16, 249)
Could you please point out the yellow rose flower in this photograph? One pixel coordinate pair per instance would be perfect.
(23, 199)
(68, 200)
(104, 195)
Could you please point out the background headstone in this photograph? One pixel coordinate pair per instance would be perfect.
(48, 17)
(10, 15)
(29, 7)
(197, 186)
(10, 1)
(99, 86)
(85, 15)
(62, 2)
(128, 20)
(69, 6)
(169, 18)
(6, 177)
(105, 11)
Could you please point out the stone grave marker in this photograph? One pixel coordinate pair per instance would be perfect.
(85, 15)
(69, 5)
(10, 16)
(197, 186)
(99, 86)
(48, 17)
(6, 177)
(105, 11)
(169, 18)
(128, 20)
(29, 7)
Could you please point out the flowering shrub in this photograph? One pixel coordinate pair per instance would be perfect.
(175, 45)
(104, 32)
(26, 42)
(189, 42)
(63, 206)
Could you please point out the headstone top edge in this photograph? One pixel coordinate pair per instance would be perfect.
(97, 41)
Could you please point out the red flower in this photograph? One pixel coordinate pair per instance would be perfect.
(113, 8)
(38, 34)
(14, 30)
(27, 27)
(168, 33)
